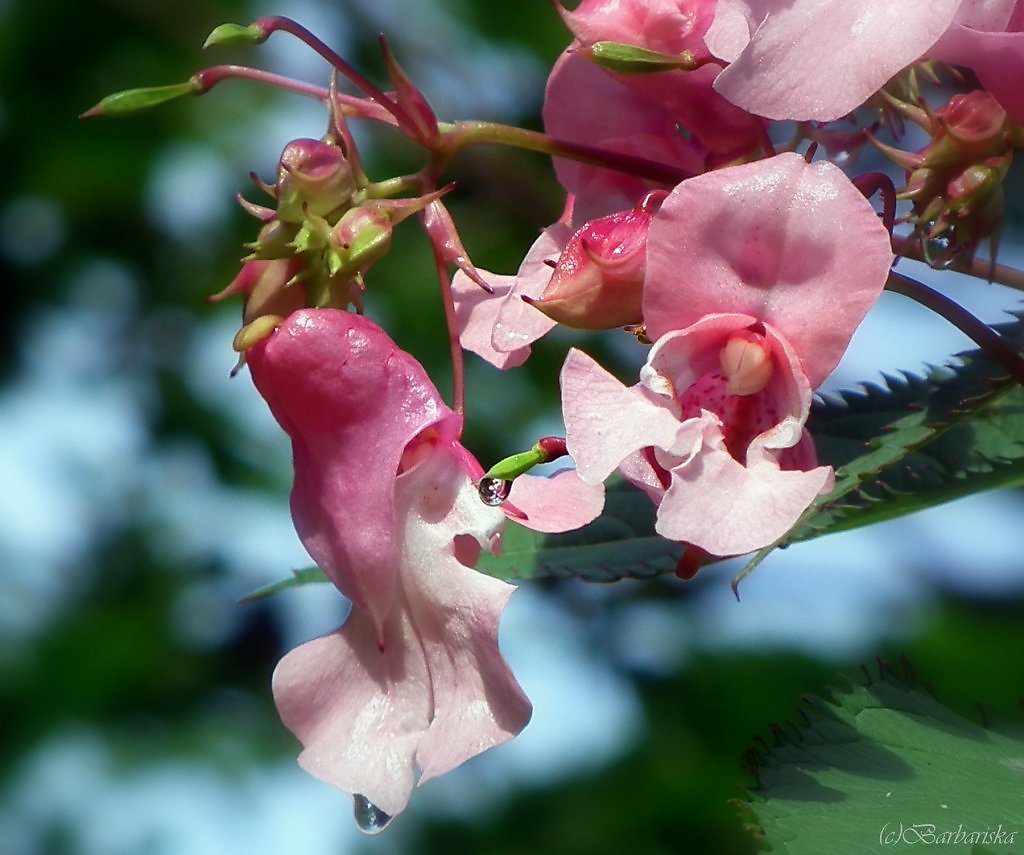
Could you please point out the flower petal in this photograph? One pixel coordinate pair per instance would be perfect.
(432, 689)
(476, 312)
(500, 327)
(819, 59)
(477, 703)
(996, 57)
(561, 502)
(726, 508)
(606, 421)
(792, 244)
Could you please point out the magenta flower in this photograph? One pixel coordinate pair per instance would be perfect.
(822, 59)
(384, 501)
(757, 276)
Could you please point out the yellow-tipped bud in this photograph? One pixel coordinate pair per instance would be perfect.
(256, 331)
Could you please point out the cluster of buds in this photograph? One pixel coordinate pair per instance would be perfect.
(327, 229)
(955, 183)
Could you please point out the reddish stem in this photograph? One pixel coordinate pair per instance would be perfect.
(210, 77)
(454, 346)
(981, 333)
(276, 22)
(464, 134)
(982, 268)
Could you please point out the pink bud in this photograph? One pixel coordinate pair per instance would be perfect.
(975, 117)
(312, 177)
(361, 237)
(598, 280)
(265, 288)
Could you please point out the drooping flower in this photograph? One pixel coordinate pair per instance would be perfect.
(384, 500)
(757, 276)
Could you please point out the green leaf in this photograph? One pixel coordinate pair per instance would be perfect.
(882, 766)
(916, 442)
(134, 100)
(621, 543)
(306, 576)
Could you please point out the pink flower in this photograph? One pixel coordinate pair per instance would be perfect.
(757, 276)
(385, 502)
(822, 59)
(385, 505)
(641, 114)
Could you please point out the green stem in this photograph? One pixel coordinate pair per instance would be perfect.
(981, 333)
(461, 135)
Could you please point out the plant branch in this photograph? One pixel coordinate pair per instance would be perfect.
(287, 25)
(982, 268)
(454, 345)
(981, 333)
(463, 134)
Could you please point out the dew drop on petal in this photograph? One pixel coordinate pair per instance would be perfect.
(493, 491)
(369, 818)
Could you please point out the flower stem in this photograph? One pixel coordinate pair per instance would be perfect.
(210, 77)
(454, 345)
(982, 268)
(981, 333)
(276, 23)
(463, 134)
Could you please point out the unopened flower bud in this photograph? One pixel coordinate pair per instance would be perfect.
(955, 182)
(975, 128)
(274, 241)
(598, 280)
(267, 288)
(312, 178)
(361, 237)
(746, 362)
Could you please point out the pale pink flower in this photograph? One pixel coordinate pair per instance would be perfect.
(385, 502)
(822, 59)
(757, 276)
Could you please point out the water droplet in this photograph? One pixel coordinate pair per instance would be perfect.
(369, 818)
(493, 491)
